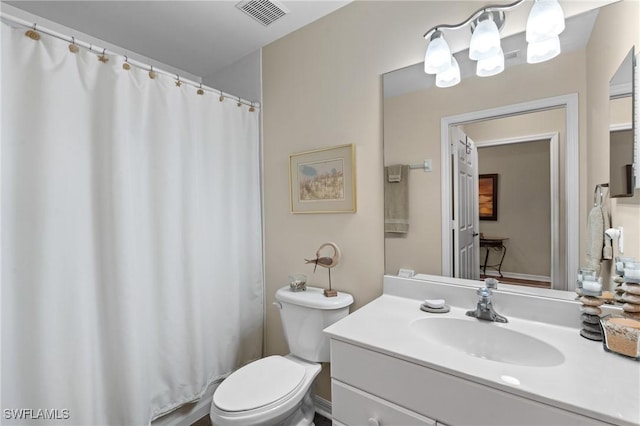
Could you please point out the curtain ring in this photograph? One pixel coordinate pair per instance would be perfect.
(33, 34)
(221, 98)
(73, 48)
(239, 102)
(178, 82)
(126, 65)
(103, 57)
(251, 108)
(200, 91)
(152, 73)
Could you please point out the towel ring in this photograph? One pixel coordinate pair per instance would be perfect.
(599, 186)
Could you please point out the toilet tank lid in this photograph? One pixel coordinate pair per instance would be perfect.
(314, 297)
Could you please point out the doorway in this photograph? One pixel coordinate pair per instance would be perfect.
(561, 279)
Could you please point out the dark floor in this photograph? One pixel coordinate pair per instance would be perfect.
(318, 420)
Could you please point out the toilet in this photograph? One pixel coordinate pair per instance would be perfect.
(278, 390)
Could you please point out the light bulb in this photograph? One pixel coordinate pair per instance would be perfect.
(545, 21)
(485, 41)
(543, 50)
(449, 77)
(490, 66)
(438, 55)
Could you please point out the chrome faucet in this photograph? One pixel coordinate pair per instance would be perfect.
(484, 309)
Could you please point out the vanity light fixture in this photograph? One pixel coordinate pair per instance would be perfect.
(544, 24)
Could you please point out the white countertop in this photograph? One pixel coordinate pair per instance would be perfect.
(590, 382)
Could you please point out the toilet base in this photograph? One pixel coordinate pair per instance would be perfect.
(304, 414)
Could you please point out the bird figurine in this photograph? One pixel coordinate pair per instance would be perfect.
(326, 262)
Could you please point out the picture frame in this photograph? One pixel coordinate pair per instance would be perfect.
(323, 180)
(488, 196)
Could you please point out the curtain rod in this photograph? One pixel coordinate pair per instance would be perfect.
(103, 51)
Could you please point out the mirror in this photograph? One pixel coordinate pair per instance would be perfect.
(621, 113)
(414, 111)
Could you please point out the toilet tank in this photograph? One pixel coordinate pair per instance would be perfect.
(305, 314)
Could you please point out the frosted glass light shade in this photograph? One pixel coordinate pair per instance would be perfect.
(543, 50)
(490, 66)
(438, 55)
(449, 77)
(485, 41)
(546, 20)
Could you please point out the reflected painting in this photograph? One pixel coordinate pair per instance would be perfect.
(488, 196)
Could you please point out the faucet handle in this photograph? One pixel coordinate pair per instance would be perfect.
(484, 292)
(491, 283)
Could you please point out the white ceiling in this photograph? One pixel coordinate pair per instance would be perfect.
(200, 37)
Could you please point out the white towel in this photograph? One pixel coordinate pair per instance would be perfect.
(595, 235)
(607, 250)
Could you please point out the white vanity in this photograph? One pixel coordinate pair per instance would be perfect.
(393, 364)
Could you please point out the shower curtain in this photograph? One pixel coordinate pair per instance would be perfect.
(131, 238)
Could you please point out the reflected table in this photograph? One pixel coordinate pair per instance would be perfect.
(497, 244)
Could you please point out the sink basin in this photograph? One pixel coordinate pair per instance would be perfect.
(488, 340)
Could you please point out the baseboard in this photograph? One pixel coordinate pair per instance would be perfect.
(323, 407)
(519, 276)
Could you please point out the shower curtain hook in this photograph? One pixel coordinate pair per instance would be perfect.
(103, 58)
(200, 91)
(221, 98)
(126, 65)
(252, 108)
(73, 48)
(33, 33)
(178, 82)
(152, 73)
(239, 102)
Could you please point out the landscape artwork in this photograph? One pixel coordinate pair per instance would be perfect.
(488, 196)
(321, 180)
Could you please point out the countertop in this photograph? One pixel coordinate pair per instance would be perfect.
(590, 381)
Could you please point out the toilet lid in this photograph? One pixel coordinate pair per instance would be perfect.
(258, 384)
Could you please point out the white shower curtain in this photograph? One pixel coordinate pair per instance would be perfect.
(131, 238)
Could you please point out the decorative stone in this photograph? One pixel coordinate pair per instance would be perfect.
(591, 301)
(631, 298)
(618, 279)
(631, 288)
(590, 335)
(619, 288)
(632, 315)
(631, 307)
(594, 328)
(590, 310)
(591, 319)
(618, 297)
(608, 297)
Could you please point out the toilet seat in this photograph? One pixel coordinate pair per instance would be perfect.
(259, 384)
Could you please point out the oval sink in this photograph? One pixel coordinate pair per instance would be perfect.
(488, 340)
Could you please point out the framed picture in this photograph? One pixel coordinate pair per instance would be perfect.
(323, 181)
(488, 196)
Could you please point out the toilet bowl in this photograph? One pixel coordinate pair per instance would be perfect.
(278, 390)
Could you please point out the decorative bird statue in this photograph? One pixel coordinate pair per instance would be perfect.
(326, 262)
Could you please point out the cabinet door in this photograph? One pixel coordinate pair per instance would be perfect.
(352, 407)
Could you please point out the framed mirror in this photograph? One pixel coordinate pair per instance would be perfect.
(622, 181)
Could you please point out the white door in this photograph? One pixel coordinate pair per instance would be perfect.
(465, 224)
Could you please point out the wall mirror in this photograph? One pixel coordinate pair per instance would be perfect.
(621, 131)
(414, 112)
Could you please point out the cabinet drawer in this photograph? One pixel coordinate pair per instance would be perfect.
(353, 407)
(437, 395)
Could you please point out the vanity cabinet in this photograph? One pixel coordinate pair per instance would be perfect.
(373, 388)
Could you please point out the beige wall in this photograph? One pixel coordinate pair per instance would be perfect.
(322, 87)
(524, 205)
(618, 22)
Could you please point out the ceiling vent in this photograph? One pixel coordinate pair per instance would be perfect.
(264, 11)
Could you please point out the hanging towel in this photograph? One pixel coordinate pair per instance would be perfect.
(595, 236)
(396, 200)
(607, 250)
(394, 173)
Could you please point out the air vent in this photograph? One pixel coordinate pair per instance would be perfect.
(511, 55)
(264, 11)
